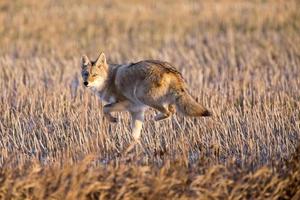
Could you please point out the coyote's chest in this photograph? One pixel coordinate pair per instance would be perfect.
(106, 96)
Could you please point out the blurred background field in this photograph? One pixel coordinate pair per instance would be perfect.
(240, 58)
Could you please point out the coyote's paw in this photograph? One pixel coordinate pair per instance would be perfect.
(111, 118)
(166, 113)
(114, 120)
(161, 116)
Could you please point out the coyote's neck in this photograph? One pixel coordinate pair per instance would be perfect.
(106, 93)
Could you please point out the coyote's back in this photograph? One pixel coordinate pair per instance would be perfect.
(158, 84)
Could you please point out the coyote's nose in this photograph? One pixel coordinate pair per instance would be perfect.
(85, 83)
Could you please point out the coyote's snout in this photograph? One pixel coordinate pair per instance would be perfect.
(136, 86)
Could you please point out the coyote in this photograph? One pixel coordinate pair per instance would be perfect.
(136, 86)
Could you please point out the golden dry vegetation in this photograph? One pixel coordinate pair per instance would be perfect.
(240, 58)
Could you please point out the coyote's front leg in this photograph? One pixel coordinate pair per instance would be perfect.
(114, 107)
(137, 124)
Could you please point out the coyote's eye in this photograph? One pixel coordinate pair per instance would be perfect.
(94, 75)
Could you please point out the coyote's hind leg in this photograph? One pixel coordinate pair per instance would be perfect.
(164, 112)
(172, 108)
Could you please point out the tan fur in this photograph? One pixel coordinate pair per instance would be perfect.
(137, 86)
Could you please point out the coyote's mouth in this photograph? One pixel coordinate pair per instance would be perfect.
(97, 84)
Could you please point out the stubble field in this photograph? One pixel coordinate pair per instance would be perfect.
(241, 59)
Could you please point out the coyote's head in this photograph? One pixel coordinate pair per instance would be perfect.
(94, 74)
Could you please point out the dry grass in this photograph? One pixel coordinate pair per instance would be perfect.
(171, 181)
(241, 59)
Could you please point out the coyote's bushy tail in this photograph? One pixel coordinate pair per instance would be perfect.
(187, 105)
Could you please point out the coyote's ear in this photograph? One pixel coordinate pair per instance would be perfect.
(101, 60)
(85, 61)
